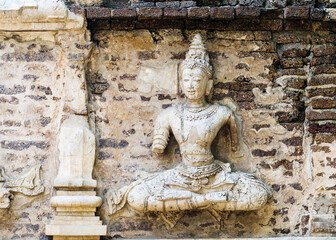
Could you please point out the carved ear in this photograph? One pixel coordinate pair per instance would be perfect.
(209, 87)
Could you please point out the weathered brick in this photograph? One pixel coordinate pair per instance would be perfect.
(286, 117)
(187, 4)
(127, 13)
(142, 4)
(98, 24)
(175, 13)
(295, 52)
(293, 141)
(122, 24)
(320, 115)
(285, 38)
(297, 83)
(168, 4)
(288, 165)
(267, 13)
(222, 13)
(262, 35)
(324, 25)
(198, 12)
(149, 13)
(297, 25)
(98, 88)
(325, 92)
(317, 14)
(21, 145)
(324, 50)
(293, 71)
(263, 153)
(291, 63)
(322, 128)
(324, 138)
(323, 39)
(247, 12)
(326, 68)
(239, 86)
(98, 13)
(160, 24)
(112, 143)
(323, 103)
(296, 186)
(237, 25)
(330, 59)
(16, 89)
(296, 12)
(309, 3)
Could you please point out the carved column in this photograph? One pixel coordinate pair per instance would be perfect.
(75, 199)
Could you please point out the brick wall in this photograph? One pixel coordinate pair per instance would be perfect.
(275, 80)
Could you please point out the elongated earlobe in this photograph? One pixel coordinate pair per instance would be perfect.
(209, 88)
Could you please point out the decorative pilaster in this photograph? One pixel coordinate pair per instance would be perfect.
(76, 199)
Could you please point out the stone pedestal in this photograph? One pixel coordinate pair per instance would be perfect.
(76, 199)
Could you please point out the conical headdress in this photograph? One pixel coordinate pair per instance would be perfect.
(197, 57)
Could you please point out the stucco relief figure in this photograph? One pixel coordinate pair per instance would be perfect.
(29, 184)
(200, 181)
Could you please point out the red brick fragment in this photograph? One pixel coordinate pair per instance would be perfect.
(296, 12)
(128, 13)
(198, 12)
(149, 13)
(247, 12)
(322, 128)
(98, 13)
(262, 153)
(222, 13)
(175, 13)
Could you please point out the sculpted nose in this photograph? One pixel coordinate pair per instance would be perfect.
(189, 84)
(192, 84)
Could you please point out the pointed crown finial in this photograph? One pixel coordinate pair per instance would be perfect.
(197, 57)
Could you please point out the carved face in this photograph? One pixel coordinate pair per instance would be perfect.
(194, 83)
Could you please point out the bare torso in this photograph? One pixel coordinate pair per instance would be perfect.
(195, 131)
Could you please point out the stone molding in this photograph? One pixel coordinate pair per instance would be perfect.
(33, 15)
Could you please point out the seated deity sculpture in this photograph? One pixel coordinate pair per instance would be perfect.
(200, 181)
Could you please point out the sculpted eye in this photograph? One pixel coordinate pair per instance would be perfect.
(186, 80)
